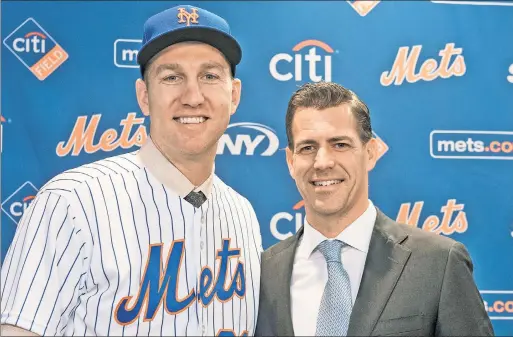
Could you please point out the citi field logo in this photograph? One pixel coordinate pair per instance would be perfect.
(249, 139)
(363, 7)
(285, 66)
(83, 135)
(17, 203)
(406, 63)
(35, 49)
(510, 75)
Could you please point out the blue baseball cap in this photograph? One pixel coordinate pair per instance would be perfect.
(187, 23)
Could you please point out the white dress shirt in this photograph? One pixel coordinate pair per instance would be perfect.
(310, 272)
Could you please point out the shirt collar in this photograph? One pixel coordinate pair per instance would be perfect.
(356, 235)
(168, 174)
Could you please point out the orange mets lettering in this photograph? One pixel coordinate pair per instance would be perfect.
(185, 16)
(160, 287)
(406, 62)
(432, 223)
(209, 288)
(83, 134)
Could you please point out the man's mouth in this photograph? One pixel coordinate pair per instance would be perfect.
(327, 182)
(190, 120)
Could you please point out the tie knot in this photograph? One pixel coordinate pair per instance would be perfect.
(196, 198)
(331, 249)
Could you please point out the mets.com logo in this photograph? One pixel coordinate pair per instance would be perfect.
(17, 203)
(498, 304)
(240, 139)
(459, 144)
(36, 49)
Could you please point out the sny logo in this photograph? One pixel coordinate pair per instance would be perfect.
(36, 49)
(312, 58)
(250, 143)
(186, 17)
(18, 202)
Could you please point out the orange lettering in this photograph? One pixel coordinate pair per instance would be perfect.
(431, 223)
(428, 70)
(405, 63)
(107, 138)
(81, 137)
(404, 67)
(413, 218)
(83, 134)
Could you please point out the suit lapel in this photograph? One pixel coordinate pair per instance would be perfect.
(282, 264)
(386, 259)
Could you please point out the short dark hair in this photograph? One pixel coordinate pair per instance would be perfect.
(324, 95)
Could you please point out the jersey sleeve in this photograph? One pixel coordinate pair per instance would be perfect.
(44, 269)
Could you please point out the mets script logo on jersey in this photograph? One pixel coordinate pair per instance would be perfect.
(18, 202)
(285, 72)
(159, 287)
(248, 142)
(35, 48)
(363, 7)
(186, 17)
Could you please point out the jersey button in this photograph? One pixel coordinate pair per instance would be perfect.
(202, 245)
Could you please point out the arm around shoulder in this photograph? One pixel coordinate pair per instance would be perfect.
(11, 330)
(461, 309)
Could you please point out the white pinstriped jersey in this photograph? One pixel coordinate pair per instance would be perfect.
(109, 249)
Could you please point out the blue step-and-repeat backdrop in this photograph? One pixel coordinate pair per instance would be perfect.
(437, 76)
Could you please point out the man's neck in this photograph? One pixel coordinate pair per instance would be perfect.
(332, 225)
(196, 169)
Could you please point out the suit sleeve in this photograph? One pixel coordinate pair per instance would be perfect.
(44, 268)
(461, 309)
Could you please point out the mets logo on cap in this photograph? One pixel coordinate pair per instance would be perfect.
(36, 49)
(187, 17)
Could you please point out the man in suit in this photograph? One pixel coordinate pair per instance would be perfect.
(351, 270)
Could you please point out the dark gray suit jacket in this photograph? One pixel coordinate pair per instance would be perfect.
(414, 283)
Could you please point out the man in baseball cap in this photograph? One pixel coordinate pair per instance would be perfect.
(158, 244)
(189, 91)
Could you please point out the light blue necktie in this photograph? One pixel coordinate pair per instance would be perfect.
(336, 303)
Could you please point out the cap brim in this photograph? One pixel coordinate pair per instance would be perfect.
(217, 39)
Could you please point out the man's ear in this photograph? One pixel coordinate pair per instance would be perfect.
(371, 151)
(236, 93)
(141, 91)
(289, 155)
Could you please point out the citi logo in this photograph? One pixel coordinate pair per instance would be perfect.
(19, 201)
(33, 42)
(250, 139)
(285, 67)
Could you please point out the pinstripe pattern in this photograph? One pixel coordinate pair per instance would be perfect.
(84, 245)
